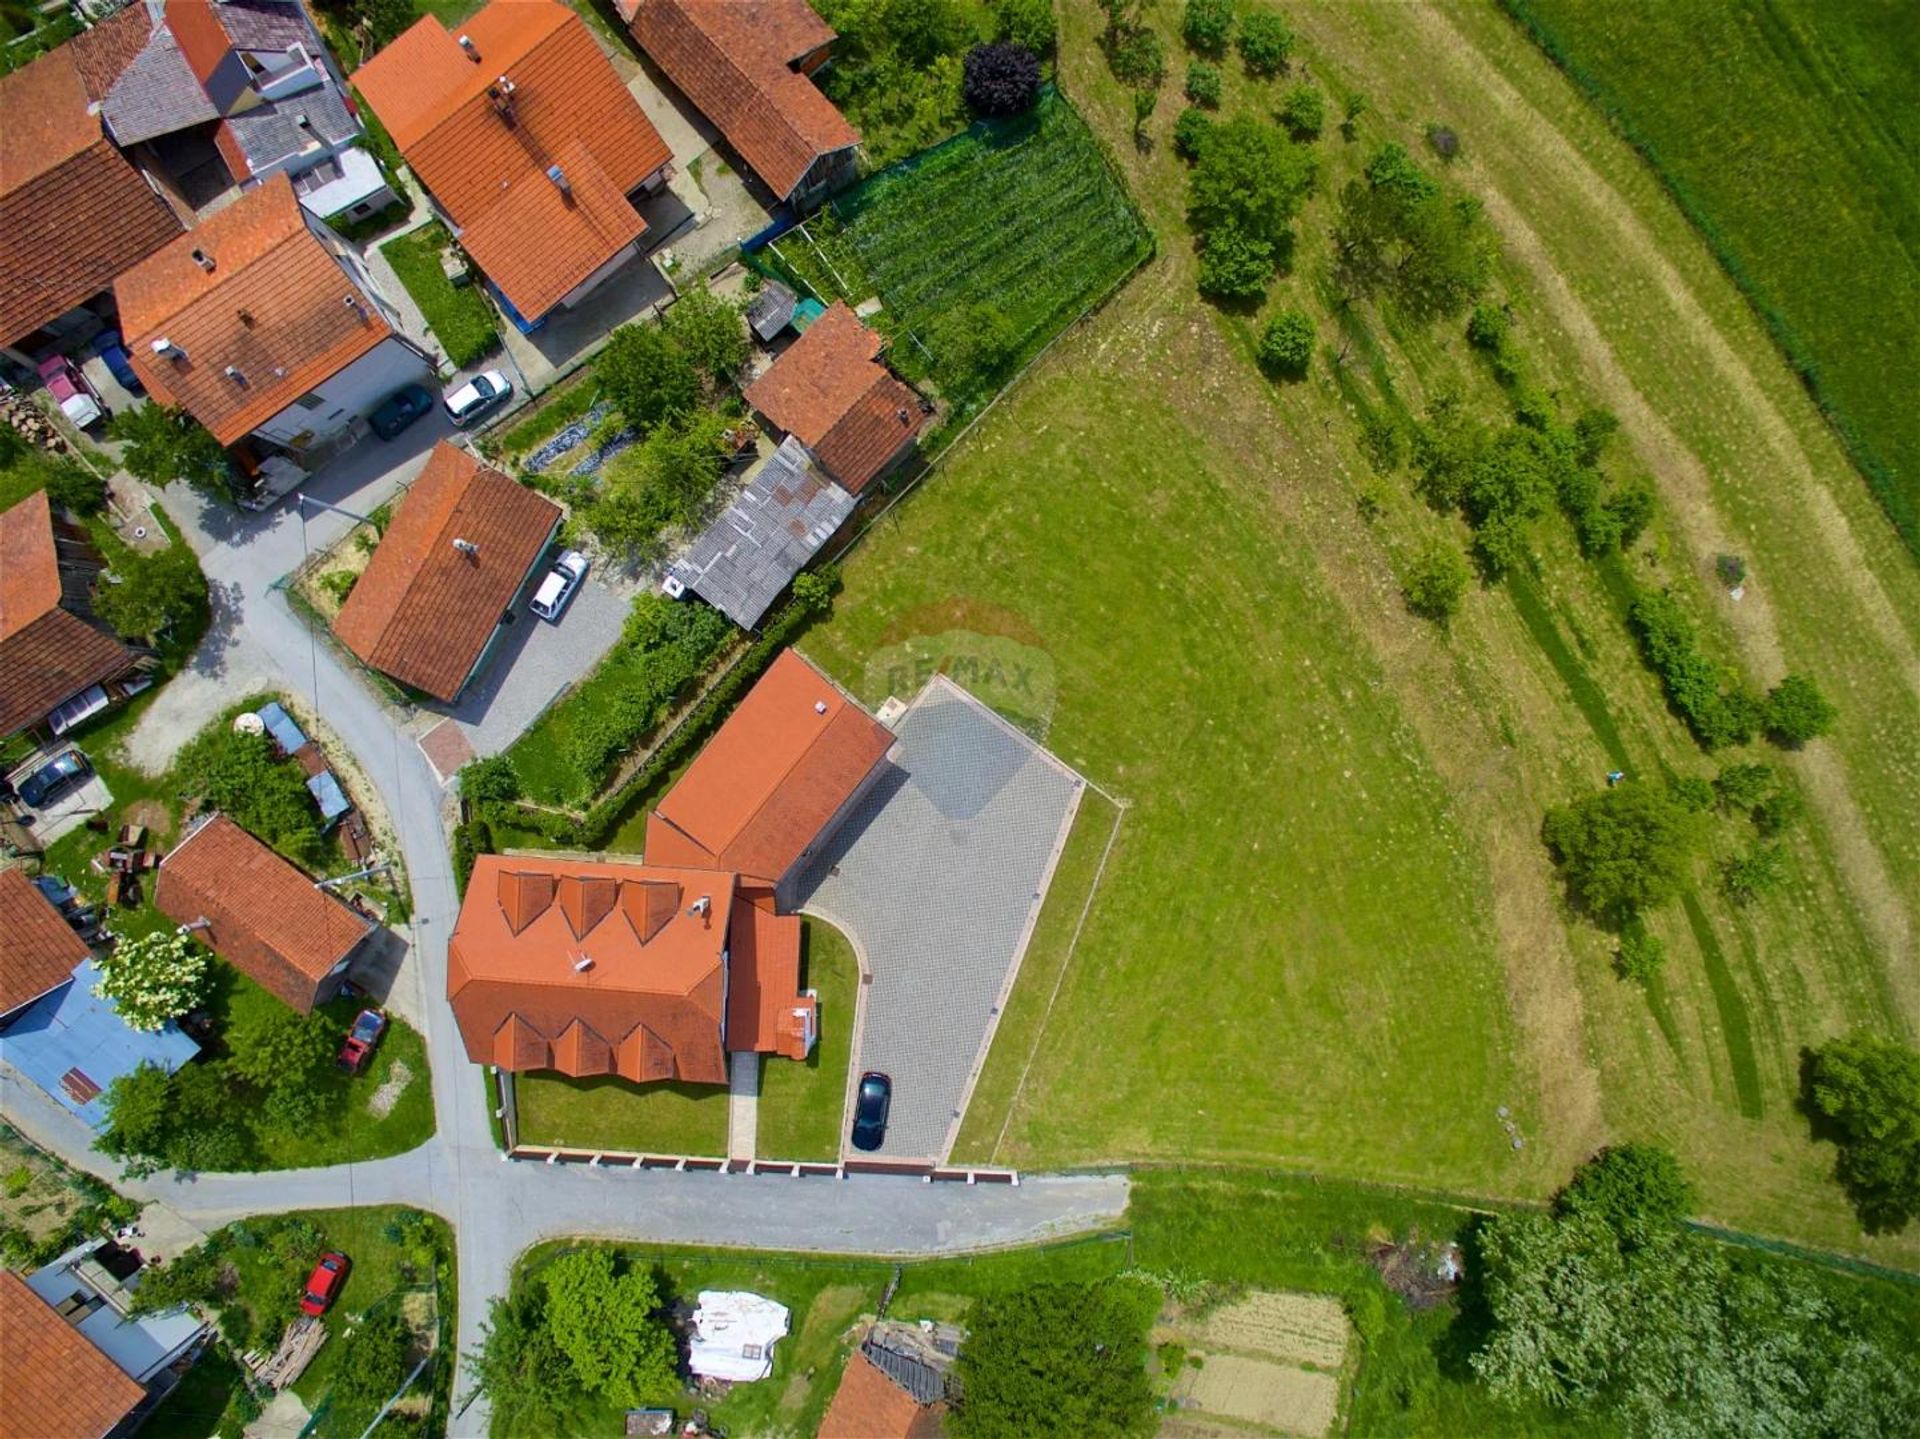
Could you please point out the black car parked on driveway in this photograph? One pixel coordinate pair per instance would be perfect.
(870, 1108)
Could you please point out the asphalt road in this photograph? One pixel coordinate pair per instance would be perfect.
(498, 1208)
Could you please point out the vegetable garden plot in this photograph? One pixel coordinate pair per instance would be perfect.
(1294, 1401)
(981, 249)
(1304, 1328)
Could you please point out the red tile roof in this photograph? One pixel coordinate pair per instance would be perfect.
(55, 1380)
(423, 611)
(265, 916)
(830, 389)
(275, 307)
(648, 1007)
(762, 791)
(868, 1405)
(488, 170)
(766, 1013)
(735, 62)
(47, 654)
(41, 949)
(73, 212)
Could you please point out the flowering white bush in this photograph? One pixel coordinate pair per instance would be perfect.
(154, 978)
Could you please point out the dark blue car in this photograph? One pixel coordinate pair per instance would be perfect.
(870, 1108)
(400, 409)
(109, 349)
(54, 778)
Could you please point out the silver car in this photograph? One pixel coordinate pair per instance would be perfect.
(467, 403)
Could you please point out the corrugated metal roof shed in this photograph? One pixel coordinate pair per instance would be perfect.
(753, 551)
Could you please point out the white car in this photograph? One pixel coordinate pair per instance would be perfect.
(468, 402)
(557, 588)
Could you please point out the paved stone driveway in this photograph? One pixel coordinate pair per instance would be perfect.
(938, 877)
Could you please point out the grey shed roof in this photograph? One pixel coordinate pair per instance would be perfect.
(269, 133)
(771, 309)
(156, 94)
(748, 555)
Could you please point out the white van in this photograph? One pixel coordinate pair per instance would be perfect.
(557, 588)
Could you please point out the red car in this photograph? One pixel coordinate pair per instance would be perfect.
(323, 1285)
(71, 391)
(365, 1034)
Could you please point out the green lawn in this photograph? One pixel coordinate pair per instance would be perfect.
(802, 1104)
(460, 318)
(609, 1113)
(1787, 130)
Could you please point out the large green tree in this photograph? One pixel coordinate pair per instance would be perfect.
(1625, 849)
(1399, 232)
(1058, 1359)
(520, 1365)
(709, 331)
(273, 1047)
(1867, 1088)
(647, 375)
(1637, 1190)
(166, 444)
(151, 594)
(604, 1318)
(241, 775)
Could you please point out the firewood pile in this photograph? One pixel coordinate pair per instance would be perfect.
(31, 423)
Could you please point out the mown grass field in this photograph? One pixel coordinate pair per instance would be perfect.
(1789, 130)
(1328, 935)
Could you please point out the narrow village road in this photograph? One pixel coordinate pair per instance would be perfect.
(498, 1208)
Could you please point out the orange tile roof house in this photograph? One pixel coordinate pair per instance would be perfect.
(644, 971)
(260, 913)
(771, 787)
(41, 949)
(53, 1379)
(528, 143)
(830, 391)
(265, 326)
(869, 1405)
(56, 658)
(746, 67)
(73, 212)
(462, 545)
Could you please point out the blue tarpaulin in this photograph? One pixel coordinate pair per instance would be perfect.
(73, 1044)
(328, 795)
(280, 725)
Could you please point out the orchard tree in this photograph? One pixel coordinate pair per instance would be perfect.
(1436, 581)
(152, 978)
(1867, 1089)
(166, 443)
(1234, 265)
(1204, 84)
(605, 1321)
(1027, 23)
(151, 594)
(1399, 232)
(1001, 79)
(1207, 25)
(1625, 849)
(1304, 112)
(1250, 176)
(1265, 42)
(1190, 132)
(1286, 345)
(1796, 711)
(647, 375)
(709, 332)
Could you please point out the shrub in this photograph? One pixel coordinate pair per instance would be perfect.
(1075, 1354)
(1027, 23)
(1731, 569)
(1207, 25)
(1137, 58)
(1630, 509)
(1796, 711)
(1304, 112)
(1739, 787)
(1625, 849)
(1487, 327)
(1265, 42)
(1204, 84)
(1190, 132)
(1759, 870)
(1712, 702)
(1352, 106)
(1286, 345)
(1436, 582)
(1778, 812)
(339, 584)
(1867, 1090)
(1234, 265)
(241, 775)
(1636, 1190)
(1640, 954)
(1001, 79)
(1445, 142)
(490, 780)
(74, 487)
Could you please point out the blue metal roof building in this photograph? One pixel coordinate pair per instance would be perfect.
(74, 1044)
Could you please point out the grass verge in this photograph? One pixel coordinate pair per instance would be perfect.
(802, 1104)
(609, 1113)
(460, 317)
